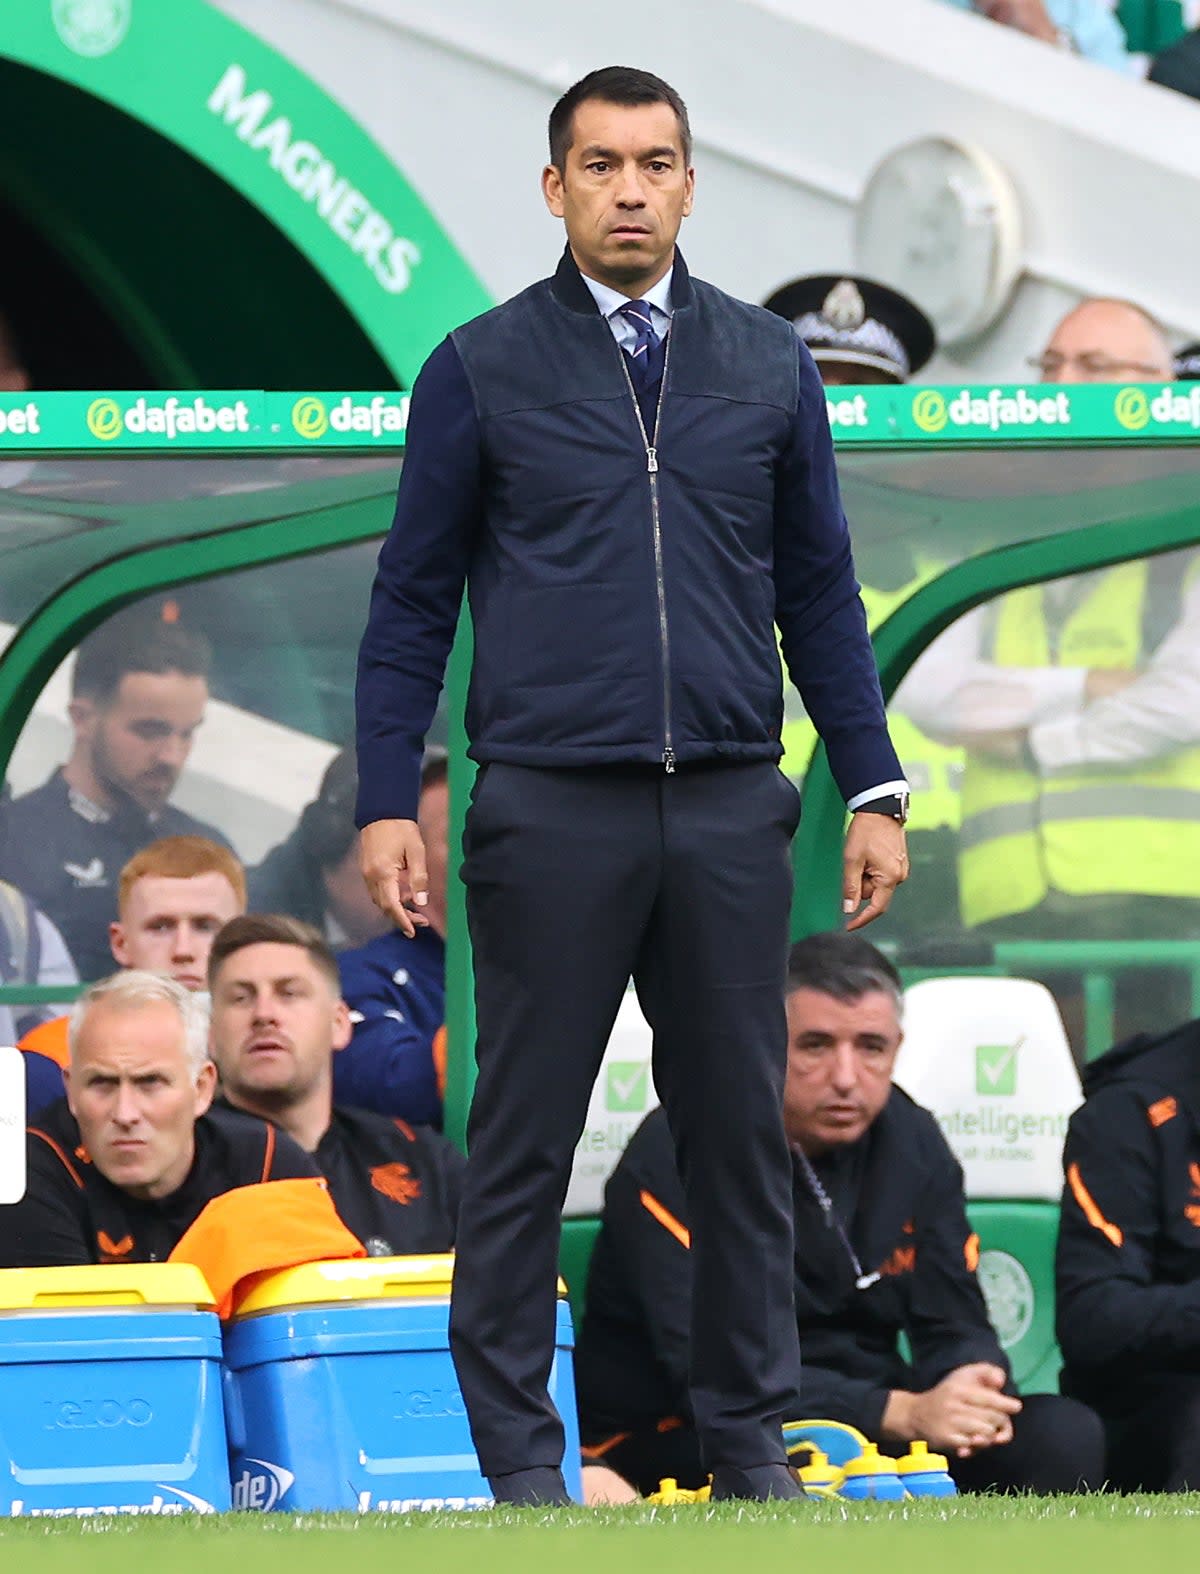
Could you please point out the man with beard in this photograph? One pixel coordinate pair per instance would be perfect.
(278, 1019)
(138, 693)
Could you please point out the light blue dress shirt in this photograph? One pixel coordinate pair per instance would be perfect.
(1090, 25)
(610, 301)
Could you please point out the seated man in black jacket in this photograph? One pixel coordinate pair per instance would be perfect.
(883, 1248)
(123, 1166)
(1128, 1269)
(278, 1018)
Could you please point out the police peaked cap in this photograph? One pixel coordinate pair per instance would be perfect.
(858, 322)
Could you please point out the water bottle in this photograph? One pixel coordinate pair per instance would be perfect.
(871, 1475)
(819, 1478)
(923, 1474)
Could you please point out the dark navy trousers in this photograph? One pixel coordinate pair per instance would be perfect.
(578, 879)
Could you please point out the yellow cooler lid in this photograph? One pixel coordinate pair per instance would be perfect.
(354, 1279)
(103, 1284)
(351, 1279)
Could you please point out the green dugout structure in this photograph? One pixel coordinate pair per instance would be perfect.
(256, 516)
(183, 207)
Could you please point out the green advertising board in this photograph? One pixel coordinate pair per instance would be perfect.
(189, 73)
(1013, 412)
(244, 419)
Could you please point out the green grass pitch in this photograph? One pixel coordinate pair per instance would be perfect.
(960, 1536)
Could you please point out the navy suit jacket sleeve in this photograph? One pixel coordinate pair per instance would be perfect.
(817, 607)
(418, 589)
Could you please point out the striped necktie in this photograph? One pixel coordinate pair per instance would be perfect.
(648, 353)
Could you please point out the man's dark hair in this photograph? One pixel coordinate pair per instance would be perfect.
(272, 929)
(842, 965)
(624, 85)
(137, 641)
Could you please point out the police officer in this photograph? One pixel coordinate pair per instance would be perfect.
(859, 331)
(122, 1167)
(278, 1019)
(883, 1248)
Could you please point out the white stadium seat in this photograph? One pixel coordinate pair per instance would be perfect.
(990, 1058)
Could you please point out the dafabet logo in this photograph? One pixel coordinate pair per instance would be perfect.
(374, 417)
(929, 410)
(171, 417)
(1135, 409)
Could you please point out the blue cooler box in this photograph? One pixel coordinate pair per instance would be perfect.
(340, 1392)
(110, 1393)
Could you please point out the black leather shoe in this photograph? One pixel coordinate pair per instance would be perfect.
(541, 1487)
(755, 1484)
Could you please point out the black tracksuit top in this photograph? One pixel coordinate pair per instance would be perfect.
(898, 1193)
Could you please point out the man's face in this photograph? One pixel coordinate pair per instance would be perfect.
(624, 192)
(276, 1021)
(844, 374)
(433, 818)
(135, 1096)
(167, 925)
(1104, 342)
(840, 1060)
(138, 743)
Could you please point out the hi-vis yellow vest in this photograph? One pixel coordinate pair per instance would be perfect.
(1102, 831)
(933, 770)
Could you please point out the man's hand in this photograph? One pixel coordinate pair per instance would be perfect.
(392, 859)
(1027, 16)
(873, 865)
(968, 1410)
(1102, 682)
(1005, 744)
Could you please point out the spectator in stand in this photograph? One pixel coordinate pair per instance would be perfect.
(314, 874)
(122, 1167)
(1082, 27)
(396, 989)
(173, 897)
(138, 692)
(1178, 66)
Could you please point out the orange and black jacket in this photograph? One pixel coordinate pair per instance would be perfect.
(1128, 1267)
(898, 1196)
(71, 1214)
(395, 1186)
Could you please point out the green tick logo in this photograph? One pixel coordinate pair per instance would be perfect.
(996, 1068)
(626, 1087)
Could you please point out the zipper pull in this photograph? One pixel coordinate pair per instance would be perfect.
(652, 460)
(668, 752)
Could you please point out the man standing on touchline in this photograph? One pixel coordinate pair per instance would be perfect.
(633, 474)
